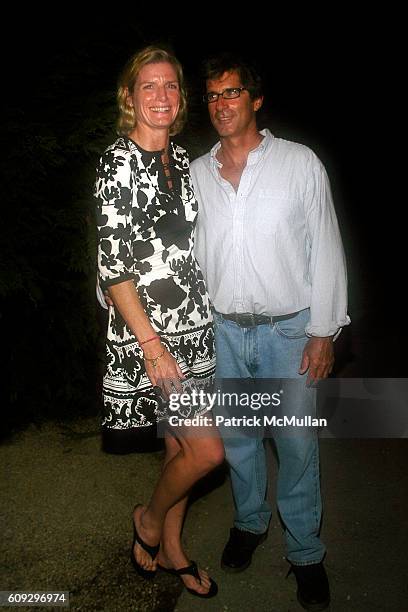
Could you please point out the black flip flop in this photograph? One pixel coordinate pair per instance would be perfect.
(151, 550)
(192, 570)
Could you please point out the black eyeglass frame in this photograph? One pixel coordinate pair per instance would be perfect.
(215, 93)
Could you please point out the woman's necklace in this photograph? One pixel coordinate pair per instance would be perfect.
(166, 166)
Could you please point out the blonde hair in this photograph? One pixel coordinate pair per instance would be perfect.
(127, 79)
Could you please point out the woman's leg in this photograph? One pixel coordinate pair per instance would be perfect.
(173, 524)
(194, 458)
(171, 553)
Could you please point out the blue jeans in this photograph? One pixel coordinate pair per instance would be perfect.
(274, 351)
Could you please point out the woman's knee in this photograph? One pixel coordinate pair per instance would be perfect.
(210, 455)
(172, 447)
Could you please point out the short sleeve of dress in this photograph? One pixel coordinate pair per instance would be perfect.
(113, 194)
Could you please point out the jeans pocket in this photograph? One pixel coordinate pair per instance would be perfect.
(217, 318)
(294, 327)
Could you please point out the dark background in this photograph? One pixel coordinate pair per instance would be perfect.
(325, 86)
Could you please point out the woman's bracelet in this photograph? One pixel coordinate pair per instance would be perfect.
(154, 360)
(149, 340)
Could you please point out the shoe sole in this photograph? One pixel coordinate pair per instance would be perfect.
(316, 607)
(235, 570)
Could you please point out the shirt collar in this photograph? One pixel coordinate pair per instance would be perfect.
(253, 156)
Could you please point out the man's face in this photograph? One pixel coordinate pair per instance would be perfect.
(233, 117)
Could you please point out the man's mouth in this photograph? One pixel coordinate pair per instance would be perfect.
(223, 118)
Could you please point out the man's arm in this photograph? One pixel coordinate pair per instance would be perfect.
(328, 309)
(327, 265)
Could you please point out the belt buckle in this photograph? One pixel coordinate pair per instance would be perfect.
(246, 319)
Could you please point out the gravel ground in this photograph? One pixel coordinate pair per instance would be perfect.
(66, 514)
(66, 525)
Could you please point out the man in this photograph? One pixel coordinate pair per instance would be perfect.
(268, 243)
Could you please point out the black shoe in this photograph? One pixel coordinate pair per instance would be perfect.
(313, 591)
(237, 555)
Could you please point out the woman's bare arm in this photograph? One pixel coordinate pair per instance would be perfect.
(126, 299)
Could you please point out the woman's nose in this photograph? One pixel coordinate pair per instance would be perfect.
(162, 92)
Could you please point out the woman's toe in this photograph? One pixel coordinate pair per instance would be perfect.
(205, 579)
(203, 585)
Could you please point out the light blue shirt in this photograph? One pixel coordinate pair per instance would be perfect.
(274, 246)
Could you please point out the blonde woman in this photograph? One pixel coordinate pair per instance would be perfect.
(160, 335)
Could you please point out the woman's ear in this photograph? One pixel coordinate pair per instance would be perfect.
(129, 100)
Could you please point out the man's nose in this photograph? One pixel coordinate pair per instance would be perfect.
(221, 103)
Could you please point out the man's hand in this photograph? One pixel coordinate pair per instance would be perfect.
(318, 358)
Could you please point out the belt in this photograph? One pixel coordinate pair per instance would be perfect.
(247, 319)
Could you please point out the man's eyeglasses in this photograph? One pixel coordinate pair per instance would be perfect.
(229, 94)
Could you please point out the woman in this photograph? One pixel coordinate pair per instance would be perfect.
(160, 336)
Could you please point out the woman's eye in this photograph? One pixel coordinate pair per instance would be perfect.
(172, 85)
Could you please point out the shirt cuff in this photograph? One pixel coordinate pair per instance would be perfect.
(324, 331)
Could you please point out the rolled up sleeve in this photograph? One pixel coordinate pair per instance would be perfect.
(328, 275)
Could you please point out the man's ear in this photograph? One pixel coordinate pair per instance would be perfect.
(258, 103)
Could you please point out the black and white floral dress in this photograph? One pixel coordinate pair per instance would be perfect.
(146, 234)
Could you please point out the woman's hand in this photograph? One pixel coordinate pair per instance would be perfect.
(161, 367)
(164, 371)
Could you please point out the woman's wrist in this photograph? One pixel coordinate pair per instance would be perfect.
(152, 349)
(153, 360)
(150, 339)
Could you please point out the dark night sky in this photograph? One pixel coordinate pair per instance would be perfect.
(321, 81)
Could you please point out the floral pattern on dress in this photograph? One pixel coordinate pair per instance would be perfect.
(145, 234)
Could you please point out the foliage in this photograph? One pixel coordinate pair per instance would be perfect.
(47, 272)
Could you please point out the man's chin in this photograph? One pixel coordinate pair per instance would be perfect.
(224, 129)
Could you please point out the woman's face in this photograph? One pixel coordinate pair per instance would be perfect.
(156, 96)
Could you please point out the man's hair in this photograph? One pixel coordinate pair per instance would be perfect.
(149, 55)
(214, 67)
